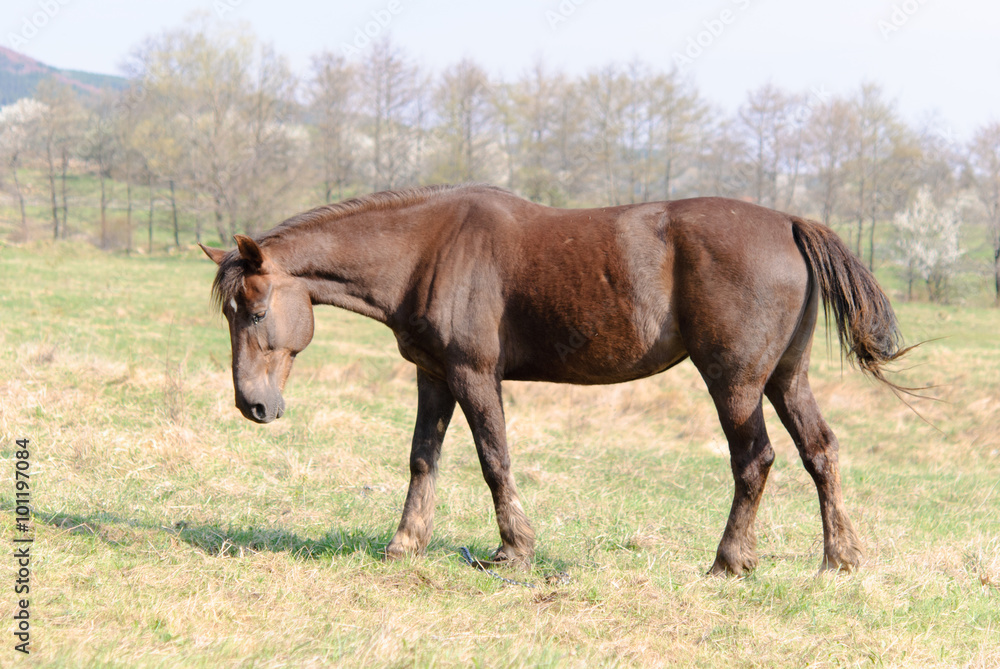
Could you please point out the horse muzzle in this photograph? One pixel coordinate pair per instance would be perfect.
(261, 411)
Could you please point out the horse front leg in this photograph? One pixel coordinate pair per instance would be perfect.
(480, 397)
(435, 406)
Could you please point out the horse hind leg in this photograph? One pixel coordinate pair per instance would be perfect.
(735, 371)
(793, 400)
(751, 455)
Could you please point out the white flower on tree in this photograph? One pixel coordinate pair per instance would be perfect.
(927, 243)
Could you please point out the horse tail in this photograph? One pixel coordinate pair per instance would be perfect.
(866, 323)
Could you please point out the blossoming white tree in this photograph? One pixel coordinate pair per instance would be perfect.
(18, 123)
(927, 243)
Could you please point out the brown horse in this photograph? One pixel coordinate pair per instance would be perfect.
(479, 285)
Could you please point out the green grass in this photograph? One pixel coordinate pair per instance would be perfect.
(172, 532)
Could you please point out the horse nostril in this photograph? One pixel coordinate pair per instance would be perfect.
(258, 411)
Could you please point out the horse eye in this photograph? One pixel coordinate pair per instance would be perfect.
(257, 318)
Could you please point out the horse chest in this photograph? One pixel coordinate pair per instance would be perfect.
(411, 352)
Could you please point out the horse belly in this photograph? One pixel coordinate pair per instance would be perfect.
(591, 302)
(607, 349)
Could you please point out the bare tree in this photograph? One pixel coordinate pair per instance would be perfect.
(763, 119)
(984, 159)
(723, 166)
(942, 157)
(506, 115)
(200, 81)
(676, 117)
(100, 149)
(899, 175)
(637, 137)
(464, 106)
(606, 92)
(58, 127)
(868, 108)
(230, 101)
(827, 145)
(272, 143)
(421, 127)
(391, 106)
(791, 146)
(537, 97)
(567, 155)
(157, 143)
(872, 142)
(333, 104)
(129, 159)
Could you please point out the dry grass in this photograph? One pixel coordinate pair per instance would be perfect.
(171, 532)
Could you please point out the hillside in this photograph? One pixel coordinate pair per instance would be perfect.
(21, 74)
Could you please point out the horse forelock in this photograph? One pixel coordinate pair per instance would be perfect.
(228, 279)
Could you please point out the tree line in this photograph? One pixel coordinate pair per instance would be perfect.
(215, 135)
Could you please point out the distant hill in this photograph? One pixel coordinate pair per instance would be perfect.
(20, 75)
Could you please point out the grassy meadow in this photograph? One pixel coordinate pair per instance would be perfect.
(171, 532)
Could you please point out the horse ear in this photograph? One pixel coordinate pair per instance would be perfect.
(215, 254)
(249, 251)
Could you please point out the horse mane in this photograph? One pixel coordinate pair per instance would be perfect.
(382, 201)
(229, 278)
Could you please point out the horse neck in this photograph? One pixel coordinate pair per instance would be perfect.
(361, 262)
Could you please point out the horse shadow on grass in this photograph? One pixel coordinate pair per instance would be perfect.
(243, 541)
(240, 542)
(217, 540)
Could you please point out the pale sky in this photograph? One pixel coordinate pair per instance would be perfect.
(931, 57)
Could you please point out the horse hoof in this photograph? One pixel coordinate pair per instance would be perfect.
(729, 565)
(506, 557)
(396, 552)
(842, 563)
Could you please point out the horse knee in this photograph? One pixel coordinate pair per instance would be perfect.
(752, 466)
(421, 466)
(759, 454)
(819, 455)
(767, 456)
(816, 464)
